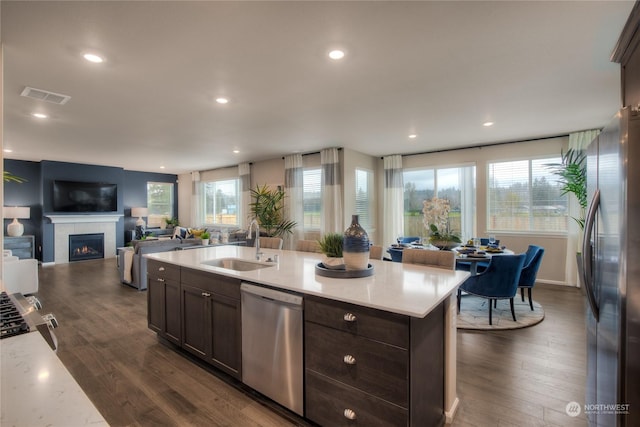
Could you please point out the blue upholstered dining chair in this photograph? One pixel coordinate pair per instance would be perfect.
(499, 281)
(532, 261)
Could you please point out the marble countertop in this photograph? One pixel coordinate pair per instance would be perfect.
(407, 289)
(37, 390)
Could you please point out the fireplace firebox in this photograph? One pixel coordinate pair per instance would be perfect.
(83, 247)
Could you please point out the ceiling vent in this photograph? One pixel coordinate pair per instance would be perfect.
(45, 95)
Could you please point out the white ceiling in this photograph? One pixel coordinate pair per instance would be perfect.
(436, 69)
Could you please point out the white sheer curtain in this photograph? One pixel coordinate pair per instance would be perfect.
(197, 216)
(577, 141)
(293, 202)
(244, 172)
(331, 219)
(393, 224)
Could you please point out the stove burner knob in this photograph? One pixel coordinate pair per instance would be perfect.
(51, 320)
(34, 301)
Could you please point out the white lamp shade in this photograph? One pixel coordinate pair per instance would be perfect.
(18, 212)
(139, 212)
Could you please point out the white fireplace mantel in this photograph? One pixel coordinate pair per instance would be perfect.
(66, 225)
(74, 219)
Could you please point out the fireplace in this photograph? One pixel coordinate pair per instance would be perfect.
(86, 246)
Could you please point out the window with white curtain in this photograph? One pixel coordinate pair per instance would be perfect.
(456, 184)
(312, 198)
(221, 202)
(365, 198)
(523, 195)
(159, 202)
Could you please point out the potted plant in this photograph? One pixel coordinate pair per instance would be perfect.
(331, 247)
(268, 209)
(172, 222)
(205, 237)
(436, 220)
(572, 175)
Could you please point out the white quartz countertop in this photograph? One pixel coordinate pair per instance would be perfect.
(407, 289)
(37, 390)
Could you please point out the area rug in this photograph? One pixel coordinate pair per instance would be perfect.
(474, 314)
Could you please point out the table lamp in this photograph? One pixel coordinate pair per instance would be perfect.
(15, 229)
(140, 224)
(140, 212)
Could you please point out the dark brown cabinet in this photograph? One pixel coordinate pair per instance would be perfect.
(370, 367)
(163, 299)
(211, 321)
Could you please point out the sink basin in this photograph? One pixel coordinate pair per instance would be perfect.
(236, 264)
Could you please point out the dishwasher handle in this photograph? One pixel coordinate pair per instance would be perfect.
(271, 294)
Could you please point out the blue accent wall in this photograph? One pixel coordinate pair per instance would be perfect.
(27, 193)
(37, 194)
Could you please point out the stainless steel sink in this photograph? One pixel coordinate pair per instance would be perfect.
(236, 264)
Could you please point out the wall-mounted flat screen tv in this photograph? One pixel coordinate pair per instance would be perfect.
(73, 196)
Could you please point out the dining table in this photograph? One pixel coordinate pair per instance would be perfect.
(475, 255)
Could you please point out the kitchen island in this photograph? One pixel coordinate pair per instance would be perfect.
(404, 333)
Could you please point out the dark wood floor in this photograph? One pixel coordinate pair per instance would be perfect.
(505, 378)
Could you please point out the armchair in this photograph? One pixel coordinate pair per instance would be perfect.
(499, 281)
(532, 261)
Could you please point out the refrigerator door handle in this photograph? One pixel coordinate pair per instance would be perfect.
(587, 256)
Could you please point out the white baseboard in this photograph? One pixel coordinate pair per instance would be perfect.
(48, 264)
(449, 414)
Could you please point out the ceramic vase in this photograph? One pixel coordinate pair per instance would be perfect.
(355, 246)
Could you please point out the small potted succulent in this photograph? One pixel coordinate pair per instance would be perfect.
(331, 247)
(205, 236)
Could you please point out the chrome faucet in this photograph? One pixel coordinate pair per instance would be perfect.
(254, 221)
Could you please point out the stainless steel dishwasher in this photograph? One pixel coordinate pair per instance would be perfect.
(272, 360)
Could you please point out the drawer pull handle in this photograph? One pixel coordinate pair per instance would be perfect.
(206, 294)
(159, 279)
(349, 317)
(349, 359)
(350, 414)
(161, 269)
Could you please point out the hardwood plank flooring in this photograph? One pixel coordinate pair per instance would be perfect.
(505, 378)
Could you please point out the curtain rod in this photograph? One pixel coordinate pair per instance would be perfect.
(482, 146)
(313, 152)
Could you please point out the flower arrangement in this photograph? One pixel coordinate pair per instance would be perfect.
(436, 220)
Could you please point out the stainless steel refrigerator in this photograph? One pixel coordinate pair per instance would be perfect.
(611, 274)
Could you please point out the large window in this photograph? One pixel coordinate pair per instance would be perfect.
(312, 198)
(524, 196)
(365, 198)
(456, 184)
(159, 202)
(222, 202)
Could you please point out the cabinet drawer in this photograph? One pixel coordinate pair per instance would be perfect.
(378, 325)
(376, 368)
(327, 401)
(210, 282)
(161, 270)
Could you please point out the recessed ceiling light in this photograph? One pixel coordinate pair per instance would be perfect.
(413, 136)
(236, 151)
(161, 167)
(40, 115)
(92, 57)
(8, 150)
(336, 54)
(487, 124)
(222, 100)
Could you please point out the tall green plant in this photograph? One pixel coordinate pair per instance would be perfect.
(268, 209)
(9, 177)
(572, 175)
